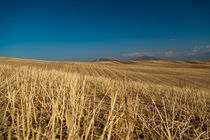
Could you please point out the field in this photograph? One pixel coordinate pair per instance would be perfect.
(104, 100)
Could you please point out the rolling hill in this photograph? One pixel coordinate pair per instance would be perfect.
(104, 99)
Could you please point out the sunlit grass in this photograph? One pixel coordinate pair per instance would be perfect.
(111, 100)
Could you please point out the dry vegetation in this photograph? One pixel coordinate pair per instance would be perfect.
(104, 100)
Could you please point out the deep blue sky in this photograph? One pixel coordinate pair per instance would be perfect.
(88, 29)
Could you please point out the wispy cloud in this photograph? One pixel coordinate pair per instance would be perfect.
(208, 47)
(171, 54)
(199, 49)
(154, 54)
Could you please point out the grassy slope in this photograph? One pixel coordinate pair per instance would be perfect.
(107, 100)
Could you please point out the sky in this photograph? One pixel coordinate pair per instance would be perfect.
(82, 30)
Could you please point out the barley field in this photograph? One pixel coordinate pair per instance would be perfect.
(104, 100)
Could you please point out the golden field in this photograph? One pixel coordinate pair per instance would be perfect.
(104, 100)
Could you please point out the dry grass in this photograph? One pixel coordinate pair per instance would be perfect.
(104, 100)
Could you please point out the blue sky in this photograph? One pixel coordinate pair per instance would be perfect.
(82, 30)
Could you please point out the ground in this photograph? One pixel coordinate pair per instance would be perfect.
(104, 100)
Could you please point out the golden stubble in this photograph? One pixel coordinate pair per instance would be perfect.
(105, 100)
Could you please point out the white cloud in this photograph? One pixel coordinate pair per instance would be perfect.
(154, 54)
(199, 49)
(194, 50)
(169, 53)
(208, 46)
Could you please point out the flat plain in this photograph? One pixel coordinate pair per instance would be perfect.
(104, 100)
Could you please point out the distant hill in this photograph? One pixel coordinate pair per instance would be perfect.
(145, 58)
(131, 59)
(105, 59)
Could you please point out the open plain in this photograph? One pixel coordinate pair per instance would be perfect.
(104, 100)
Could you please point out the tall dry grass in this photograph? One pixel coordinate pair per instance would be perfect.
(95, 101)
